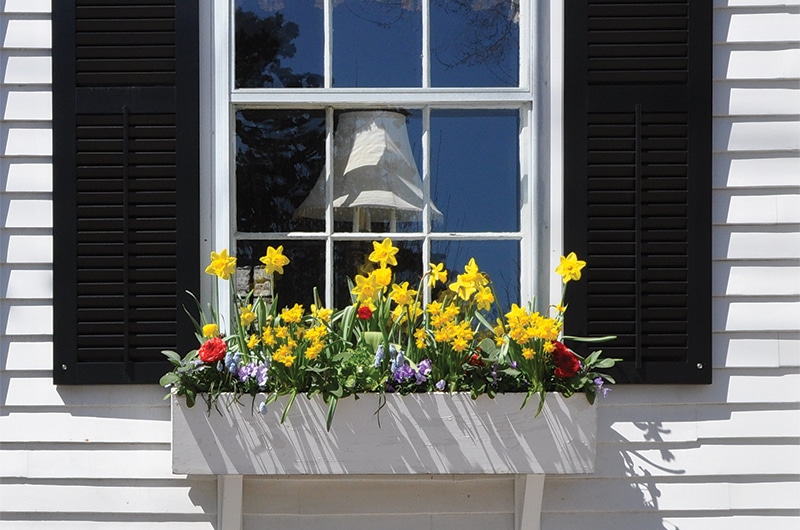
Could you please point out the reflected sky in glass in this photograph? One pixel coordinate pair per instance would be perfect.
(475, 169)
(474, 43)
(278, 44)
(377, 43)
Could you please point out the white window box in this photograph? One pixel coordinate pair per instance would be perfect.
(418, 434)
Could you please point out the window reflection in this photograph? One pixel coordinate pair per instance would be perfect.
(377, 43)
(350, 258)
(296, 285)
(499, 259)
(376, 181)
(278, 44)
(475, 169)
(279, 155)
(474, 43)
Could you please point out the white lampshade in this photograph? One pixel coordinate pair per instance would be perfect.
(374, 172)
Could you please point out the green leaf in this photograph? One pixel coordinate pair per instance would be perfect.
(331, 411)
(173, 357)
(605, 363)
(292, 396)
(169, 378)
(190, 397)
(590, 339)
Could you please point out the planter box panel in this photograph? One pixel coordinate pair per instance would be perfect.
(420, 433)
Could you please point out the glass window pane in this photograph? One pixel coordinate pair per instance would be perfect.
(499, 259)
(350, 258)
(279, 157)
(474, 43)
(306, 270)
(278, 43)
(475, 170)
(376, 176)
(377, 43)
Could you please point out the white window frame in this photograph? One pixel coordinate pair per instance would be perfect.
(541, 195)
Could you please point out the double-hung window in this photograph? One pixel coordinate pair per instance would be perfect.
(342, 122)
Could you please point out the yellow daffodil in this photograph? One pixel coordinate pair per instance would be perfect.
(268, 337)
(274, 260)
(528, 353)
(437, 274)
(320, 313)
(313, 350)
(292, 315)
(484, 298)
(472, 274)
(402, 295)
(253, 341)
(570, 267)
(419, 336)
(210, 330)
(246, 315)
(365, 289)
(381, 277)
(383, 253)
(463, 289)
(222, 265)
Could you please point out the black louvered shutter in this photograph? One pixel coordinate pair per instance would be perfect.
(125, 158)
(638, 182)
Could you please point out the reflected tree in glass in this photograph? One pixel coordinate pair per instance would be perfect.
(279, 155)
(273, 50)
(475, 43)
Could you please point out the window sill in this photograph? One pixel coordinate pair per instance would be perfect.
(418, 434)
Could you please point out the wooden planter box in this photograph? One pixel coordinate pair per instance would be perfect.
(420, 433)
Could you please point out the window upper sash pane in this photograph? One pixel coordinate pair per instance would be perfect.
(278, 44)
(377, 44)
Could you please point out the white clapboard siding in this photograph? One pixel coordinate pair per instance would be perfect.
(658, 520)
(777, 97)
(757, 350)
(27, 283)
(755, 242)
(674, 423)
(34, 354)
(756, 278)
(27, 175)
(86, 425)
(751, 171)
(195, 496)
(432, 503)
(720, 495)
(747, 207)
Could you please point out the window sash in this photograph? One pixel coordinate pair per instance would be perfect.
(228, 100)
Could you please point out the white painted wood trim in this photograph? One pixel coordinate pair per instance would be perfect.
(528, 495)
(229, 502)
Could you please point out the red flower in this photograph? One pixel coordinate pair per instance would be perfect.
(212, 350)
(475, 360)
(567, 364)
(364, 312)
